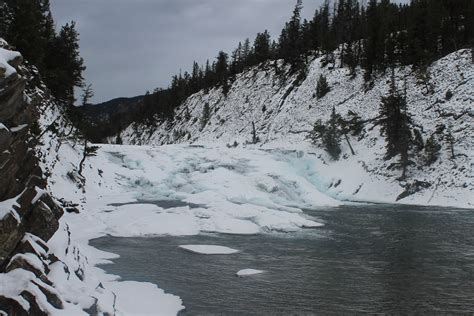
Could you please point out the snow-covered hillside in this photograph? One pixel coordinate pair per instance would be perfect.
(187, 189)
(284, 113)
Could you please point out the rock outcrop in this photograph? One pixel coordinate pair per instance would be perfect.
(29, 216)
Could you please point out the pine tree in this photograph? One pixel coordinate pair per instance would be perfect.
(65, 66)
(222, 71)
(316, 135)
(418, 140)
(395, 125)
(322, 87)
(290, 43)
(332, 137)
(87, 95)
(355, 123)
(206, 115)
(6, 18)
(262, 47)
(30, 29)
(432, 149)
(450, 140)
(246, 53)
(373, 44)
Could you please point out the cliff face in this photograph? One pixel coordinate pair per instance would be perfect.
(29, 216)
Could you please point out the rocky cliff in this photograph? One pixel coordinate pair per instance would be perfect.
(29, 216)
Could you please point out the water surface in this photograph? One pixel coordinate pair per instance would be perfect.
(378, 258)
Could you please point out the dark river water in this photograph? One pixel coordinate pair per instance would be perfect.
(378, 258)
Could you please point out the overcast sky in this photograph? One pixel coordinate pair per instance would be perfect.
(131, 46)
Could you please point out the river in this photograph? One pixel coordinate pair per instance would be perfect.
(367, 258)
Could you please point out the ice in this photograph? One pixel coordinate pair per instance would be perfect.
(209, 249)
(146, 219)
(138, 298)
(247, 272)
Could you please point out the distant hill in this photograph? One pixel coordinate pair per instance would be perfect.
(109, 118)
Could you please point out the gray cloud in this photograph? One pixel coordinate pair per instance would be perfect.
(131, 46)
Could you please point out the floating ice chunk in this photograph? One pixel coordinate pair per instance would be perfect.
(246, 272)
(209, 249)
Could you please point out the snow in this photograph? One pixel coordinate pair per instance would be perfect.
(247, 272)
(250, 189)
(18, 128)
(31, 259)
(3, 127)
(5, 57)
(39, 195)
(285, 123)
(139, 298)
(209, 249)
(33, 241)
(6, 207)
(15, 282)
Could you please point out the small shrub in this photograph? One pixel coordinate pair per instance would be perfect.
(449, 95)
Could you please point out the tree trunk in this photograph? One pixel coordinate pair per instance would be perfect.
(254, 133)
(350, 146)
(84, 155)
(451, 145)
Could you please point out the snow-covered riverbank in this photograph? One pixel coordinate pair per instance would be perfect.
(207, 186)
(133, 191)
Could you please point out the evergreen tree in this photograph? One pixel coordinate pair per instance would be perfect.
(317, 134)
(372, 43)
(246, 53)
(222, 71)
(30, 28)
(87, 95)
(332, 137)
(6, 18)
(262, 47)
(450, 140)
(432, 149)
(418, 140)
(206, 115)
(65, 66)
(324, 34)
(290, 43)
(378, 37)
(395, 125)
(322, 87)
(328, 134)
(355, 124)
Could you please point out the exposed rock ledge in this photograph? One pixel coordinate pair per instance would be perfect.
(29, 216)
